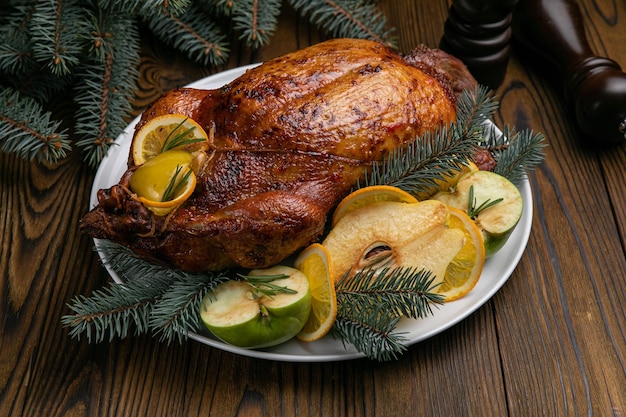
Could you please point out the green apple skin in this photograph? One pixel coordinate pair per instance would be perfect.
(496, 222)
(239, 316)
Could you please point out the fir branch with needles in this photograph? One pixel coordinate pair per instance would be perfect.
(153, 299)
(104, 92)
(193, 33)
(370, 331)
(28, 131)
(255, 21)
(515, 152)
(347, 19)
(371, 303)
(175, 313)
(57, 36)
(407, 292)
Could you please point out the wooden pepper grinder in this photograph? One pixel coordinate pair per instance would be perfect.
(478, 32)
(595, 87)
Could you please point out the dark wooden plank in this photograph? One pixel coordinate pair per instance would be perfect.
(565, 346)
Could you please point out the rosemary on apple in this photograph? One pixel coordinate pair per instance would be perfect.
(472, 210)
(263, 284)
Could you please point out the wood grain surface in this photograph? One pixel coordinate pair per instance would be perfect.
(551, 342)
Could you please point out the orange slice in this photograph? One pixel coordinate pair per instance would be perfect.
(169, 131)
(368, 195)
(464, 270)
(314, 262)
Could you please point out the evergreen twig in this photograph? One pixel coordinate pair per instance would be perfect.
(347, 19)
(27, 130)
(370, 331)
(176, 312)
(193, 33)
(104, 92)
(516, 153)
(256, 20)
(406, 291)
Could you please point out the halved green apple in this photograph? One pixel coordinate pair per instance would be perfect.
(242, 315)
(497, 221)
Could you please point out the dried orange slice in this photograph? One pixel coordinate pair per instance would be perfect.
(169, 131)
(464, 270)
(314, 262)
(368, 195)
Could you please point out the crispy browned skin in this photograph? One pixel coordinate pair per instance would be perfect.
(289, 139)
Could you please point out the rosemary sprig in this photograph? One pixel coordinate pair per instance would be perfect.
(263, 284)
(180, 139)
(472, 210)
(174, 186)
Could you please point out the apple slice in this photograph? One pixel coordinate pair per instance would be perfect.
(497, 221)
(392, 234)
(241, 315)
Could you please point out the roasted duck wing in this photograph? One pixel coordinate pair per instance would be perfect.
(288, 140)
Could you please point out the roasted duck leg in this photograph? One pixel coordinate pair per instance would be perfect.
(288, 140)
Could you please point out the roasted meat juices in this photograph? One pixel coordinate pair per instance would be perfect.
(287, 140)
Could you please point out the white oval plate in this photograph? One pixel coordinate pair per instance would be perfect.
(496, 271)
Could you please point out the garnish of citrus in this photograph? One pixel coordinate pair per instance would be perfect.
(164, 182)
(464, 270)
(169, 131)
(368, 195)
(314, 262)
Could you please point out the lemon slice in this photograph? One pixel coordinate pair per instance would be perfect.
(161, 208)
(314, 262)
(368, 195)
(169, 131)
(464, 270)
(165, 181)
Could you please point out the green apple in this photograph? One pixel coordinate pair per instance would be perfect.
(256, 313)
(482, 188)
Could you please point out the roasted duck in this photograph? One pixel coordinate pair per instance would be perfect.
(288, 140)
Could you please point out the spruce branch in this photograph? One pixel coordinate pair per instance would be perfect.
(256, 20)
(370, 331)
(407, 292)
(57, 32)
(176, 312)
(27, 130)
(194, 33)
(15, 49)
(347, 19)
(145, 7)
(424, 160)
(104, 92)
(516, 152)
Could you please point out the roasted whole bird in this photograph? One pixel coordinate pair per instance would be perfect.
(288, 140)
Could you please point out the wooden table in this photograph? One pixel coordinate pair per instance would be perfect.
(551, 342)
